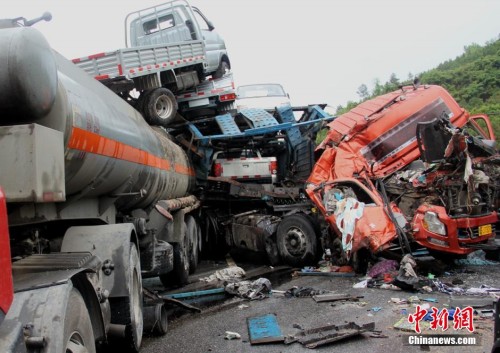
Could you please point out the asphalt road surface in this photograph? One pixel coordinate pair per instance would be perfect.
(204, 332)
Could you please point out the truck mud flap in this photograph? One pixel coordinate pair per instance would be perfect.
(111, 243)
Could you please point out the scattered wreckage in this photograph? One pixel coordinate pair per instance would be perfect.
(409, 167)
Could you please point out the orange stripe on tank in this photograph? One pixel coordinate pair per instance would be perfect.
(91, 142)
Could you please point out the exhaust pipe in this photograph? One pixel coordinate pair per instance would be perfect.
(155, 319)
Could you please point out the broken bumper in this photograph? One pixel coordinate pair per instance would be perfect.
(462, 235)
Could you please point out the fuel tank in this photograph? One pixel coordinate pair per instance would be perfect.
(109, 148)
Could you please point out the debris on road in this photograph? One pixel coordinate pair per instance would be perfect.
(155, 298)
(258, 289)
(226, 274)
(483, 290)
(475, 302)
(477, 258)
(362, 284)
(319, 336)
(407, 278)
(229, 335)
(432, 300)
(403, 325)
(382, 267)
(377, 334)
(325, 268)
(389, 286)
(198, 293)
(485, 313)
(301, 292)
(264, 329)
(398, 301)
(321, 298)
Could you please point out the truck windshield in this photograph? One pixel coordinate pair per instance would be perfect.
(155, 25)
(237, 154)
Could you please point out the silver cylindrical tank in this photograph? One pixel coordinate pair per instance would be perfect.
(28, 74)
(109, 148)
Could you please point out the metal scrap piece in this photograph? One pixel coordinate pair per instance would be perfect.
(264, 329)
(319, 336)
(320, 298)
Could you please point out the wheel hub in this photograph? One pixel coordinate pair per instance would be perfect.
(296, 242)
(163, 107)
(76, 344)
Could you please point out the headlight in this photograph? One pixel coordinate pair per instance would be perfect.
(433, 224)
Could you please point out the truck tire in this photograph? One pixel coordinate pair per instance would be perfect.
(78, 334)
(180, 274)
(221, 70)
(181, 263)
(159, 107)
(192, 235)
(128, 311)
(296, 238)
(272, 252)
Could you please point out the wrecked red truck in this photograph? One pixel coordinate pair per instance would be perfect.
(407, 169)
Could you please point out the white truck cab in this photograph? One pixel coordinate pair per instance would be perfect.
(176, 21)
(245, 166)
(266, 96)
(170, 48)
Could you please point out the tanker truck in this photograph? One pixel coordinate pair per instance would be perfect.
(96, 199)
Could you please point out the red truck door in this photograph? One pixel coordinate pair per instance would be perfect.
(483, 124)
(6, 286)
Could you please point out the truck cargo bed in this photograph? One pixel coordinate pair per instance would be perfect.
(140, 61)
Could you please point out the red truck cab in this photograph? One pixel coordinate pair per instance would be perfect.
(6, 286)
(414, 165)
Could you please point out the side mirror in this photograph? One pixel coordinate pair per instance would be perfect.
(47, 16)
(211, 26)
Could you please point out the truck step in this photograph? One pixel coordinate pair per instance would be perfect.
(258, 118)
(227, 124)
(53, 262)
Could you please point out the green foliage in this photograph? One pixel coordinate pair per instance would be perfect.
(472, 78)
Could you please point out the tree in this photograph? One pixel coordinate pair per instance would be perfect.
(378, 88)
(363, 92)
(394, 80)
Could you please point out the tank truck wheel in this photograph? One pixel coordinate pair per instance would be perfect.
(78, 334)
(296, 240)
(181, 262)
(192, 231)
(130, 309)
(180, 274)
(221, 70)
(272, 252)
(160, 107)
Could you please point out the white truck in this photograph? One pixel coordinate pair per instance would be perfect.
(171, 48)
(266, 96)
(245, 165)
(211, 97)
